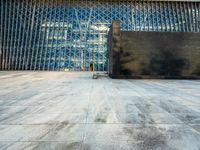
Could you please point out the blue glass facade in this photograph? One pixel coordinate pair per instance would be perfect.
(72, 34)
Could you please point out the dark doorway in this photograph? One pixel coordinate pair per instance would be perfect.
(91, 67)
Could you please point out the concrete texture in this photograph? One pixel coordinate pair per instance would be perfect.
(153, 54)
(72, 111)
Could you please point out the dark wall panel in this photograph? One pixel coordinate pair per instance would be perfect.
(157, 54)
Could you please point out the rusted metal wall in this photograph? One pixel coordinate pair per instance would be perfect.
(156, 55)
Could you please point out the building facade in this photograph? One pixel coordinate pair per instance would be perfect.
(72, 34)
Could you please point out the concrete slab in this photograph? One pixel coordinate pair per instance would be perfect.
(70, 110)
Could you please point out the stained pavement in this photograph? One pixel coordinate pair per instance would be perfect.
(70, 110)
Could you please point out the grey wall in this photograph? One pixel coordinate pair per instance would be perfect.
(155, 55)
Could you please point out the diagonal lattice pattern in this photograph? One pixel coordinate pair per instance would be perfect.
(72, 34)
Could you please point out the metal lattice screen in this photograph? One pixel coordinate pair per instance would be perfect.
(72, 34)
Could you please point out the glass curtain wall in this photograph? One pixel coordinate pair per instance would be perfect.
(72, 34)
